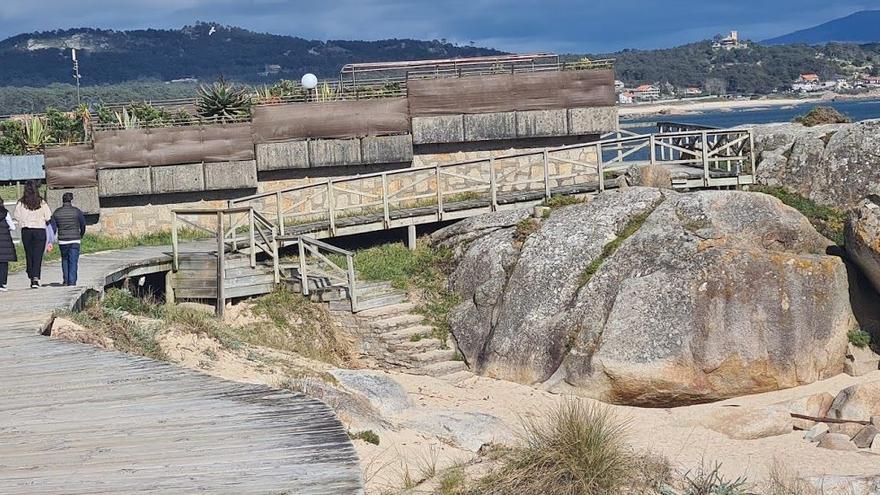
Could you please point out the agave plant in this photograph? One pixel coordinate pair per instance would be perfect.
(126, 120)
(36, 134)
(223, 101)
(266, 95)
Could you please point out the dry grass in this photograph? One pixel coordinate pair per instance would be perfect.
(580, 448)
(782, 481)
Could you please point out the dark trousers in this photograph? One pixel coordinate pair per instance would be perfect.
(4, 272)
(69, 262)
(34, 242)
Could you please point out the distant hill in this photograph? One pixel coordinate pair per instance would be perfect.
(202, 51)
(860, 27)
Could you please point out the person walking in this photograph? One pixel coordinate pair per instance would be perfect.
(33, 215)
(70, 224)
(7, 248)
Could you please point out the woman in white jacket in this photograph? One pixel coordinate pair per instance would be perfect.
(32, 215)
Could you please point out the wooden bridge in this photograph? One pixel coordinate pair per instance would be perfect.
(76, 419)
(260, 224)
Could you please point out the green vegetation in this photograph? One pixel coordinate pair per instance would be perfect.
(859, 338)
(284, 321)
(609, 249)
(223, 101)
(368, 436)
(525, 228)
(828, 221)
(423, 271)
(94, 243)
(822, 115)
(709, 481)
(452, 481)
(559, 200)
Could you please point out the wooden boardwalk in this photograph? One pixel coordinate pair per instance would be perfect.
(76, 419)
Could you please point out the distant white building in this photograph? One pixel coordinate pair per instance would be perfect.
(646, 92)
(619, 86)
(625, 98)
(729, 42)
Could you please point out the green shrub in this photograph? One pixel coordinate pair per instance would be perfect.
(559, 200)
(525, 228)
(859, 338)
(822, 115)
(368, 436)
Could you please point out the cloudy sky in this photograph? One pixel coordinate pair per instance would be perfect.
(524, 25)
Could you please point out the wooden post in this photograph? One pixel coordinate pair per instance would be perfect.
(169, 288)
(175, 248)
(411, 238)
(386, 209)
(276, 269)
(653, 145)
(493, 186)
(546, 174)
(303, 277)
(705, 146)
(253, 239)
(221, 265)
(600, 166)
(332, 213)
(752, 152)
(438, 178)
(279, 214)
(352, 283)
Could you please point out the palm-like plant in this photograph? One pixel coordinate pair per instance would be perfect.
(223, 101)
(36, 134)
(126, 120)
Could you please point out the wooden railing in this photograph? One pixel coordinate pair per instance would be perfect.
(714, 157)
(236, 230)
(312, 260)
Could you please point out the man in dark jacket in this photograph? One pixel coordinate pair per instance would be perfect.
(70, 224)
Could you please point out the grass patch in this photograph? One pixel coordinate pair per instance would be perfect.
(859, 338)
(560, 200)
(609, 249)
(286, 322)
(709, 481)
(368, 436)
(579, 448)
(95, 243)
(417, 337)
(525, 228)
(423, 271)
(826, 220)
(127, 336)
(822, 115)
(453, 481)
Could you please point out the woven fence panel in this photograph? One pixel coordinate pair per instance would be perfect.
(510, 92)
(173, 145)
(336, 119)
(70, 166)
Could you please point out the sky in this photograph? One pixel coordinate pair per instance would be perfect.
(562, 26)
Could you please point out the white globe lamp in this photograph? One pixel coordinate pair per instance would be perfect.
(309, 81)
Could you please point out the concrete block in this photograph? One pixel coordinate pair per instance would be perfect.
(84, 198)
(386, 149)
(440, 129)
(282, 156)
(541, 123)
(334, 152)
(124, 181)
(178, 178)
(490, 126)
(231, 175)
(593, 120)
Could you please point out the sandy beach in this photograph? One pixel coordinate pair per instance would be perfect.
(689, 107)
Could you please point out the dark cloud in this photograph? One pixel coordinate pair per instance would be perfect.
(553, 25)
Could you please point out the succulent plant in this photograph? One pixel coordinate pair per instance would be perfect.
(126, 120)
(223, 101)
(36, 134)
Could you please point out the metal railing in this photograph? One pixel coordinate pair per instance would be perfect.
(309, 250)
(236, 230)
(713, 157)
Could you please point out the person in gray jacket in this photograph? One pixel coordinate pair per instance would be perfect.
(70, 225)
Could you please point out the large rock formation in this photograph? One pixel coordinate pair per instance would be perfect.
(654, 298)
(831, 164)
(862, 235)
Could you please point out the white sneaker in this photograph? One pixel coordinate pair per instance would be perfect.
(3, 288)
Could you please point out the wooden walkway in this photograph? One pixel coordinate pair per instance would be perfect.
(76, 419)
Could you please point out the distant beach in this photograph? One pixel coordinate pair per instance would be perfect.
(698, 106)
